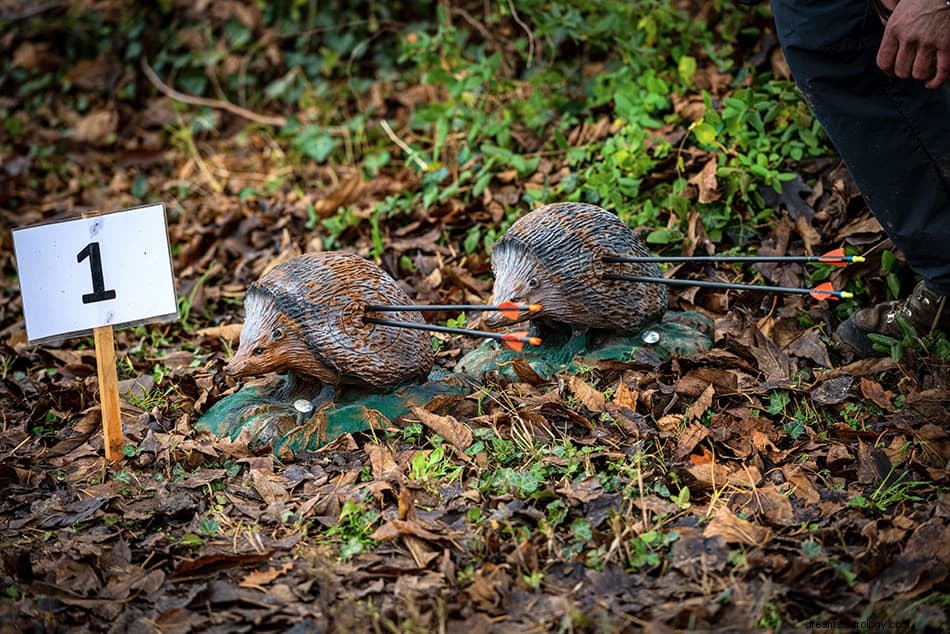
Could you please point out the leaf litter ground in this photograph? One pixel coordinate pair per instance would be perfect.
(766, 483)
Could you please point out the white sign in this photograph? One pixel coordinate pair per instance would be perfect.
(109, 270)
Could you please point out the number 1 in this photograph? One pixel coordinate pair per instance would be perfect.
(99, 292)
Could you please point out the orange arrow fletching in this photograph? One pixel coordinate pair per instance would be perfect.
(515, 344)
(509, 310)
(516, 340)
(824, 291)
(834, 258)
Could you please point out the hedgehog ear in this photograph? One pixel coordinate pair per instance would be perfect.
(532, 283)
(277, 333)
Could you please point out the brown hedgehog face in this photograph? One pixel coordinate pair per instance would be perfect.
(264, 345)
(518, 279)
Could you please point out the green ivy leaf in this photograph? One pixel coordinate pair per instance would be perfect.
(705, 133)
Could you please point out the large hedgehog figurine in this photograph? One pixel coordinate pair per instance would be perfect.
(552, 256)
(305, 316)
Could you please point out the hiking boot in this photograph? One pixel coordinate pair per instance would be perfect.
(924, 309)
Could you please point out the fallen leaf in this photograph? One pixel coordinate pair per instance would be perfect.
(228, 332)
(260, 578)
(701, 405)
(873, 390)
(383, 463)
(711, 474)
(269, 490)
(810, 346)
(706, 182)
(626, 397)
(734, 530)
(96, 126)
(689, 438)
(771, 360)
(586, 490)
(589, 397)
(459, 435)
(833, 391)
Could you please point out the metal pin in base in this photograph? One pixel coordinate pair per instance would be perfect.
(304, 409)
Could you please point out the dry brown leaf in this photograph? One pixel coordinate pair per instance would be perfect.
(625, 396)
(734, 530)
(701, 405)
(459, 435)
(711, 474)
(589, 397)
(804, 489)
(383, 463)
(774, 504)
(689, 438)
(861, 225)
(706, 182)
(808, 234)
(525, 372)
(267, 488)
(864, 367)
(29, 55)
(810, 346)
(259, 578)
(705, 456)
(228, 332)
(586, 490)
(873, 390)
(96, 126)
(670, 422)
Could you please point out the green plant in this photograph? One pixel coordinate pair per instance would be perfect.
(646, 550)
(889, 492)
(434, 465)
(895, 346)
(353, 529)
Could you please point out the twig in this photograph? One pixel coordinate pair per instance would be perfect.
(210, 103)
(402, 145)
(22, 13)
(527, 30)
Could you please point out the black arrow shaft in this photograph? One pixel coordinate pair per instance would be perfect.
(721, 285)
(731, 258)
(434, 328)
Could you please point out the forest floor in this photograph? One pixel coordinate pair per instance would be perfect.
(767, 484)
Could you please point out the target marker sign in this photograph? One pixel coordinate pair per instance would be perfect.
(90, 275)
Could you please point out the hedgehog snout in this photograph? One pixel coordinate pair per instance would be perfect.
(240, 364)
(518, 295)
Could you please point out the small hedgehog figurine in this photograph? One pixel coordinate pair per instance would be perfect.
(552, 256)
(305, 316)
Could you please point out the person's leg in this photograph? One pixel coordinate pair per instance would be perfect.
(893, 134)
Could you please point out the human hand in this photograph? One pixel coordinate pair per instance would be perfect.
(916, 41)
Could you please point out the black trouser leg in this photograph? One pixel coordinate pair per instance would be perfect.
(893, 134)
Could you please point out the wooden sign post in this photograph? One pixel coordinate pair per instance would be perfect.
(127, 256)
(109, 393)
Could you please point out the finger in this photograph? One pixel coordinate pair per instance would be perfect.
(887, 53)
(923, 68)
(904, 62)
(943, 71)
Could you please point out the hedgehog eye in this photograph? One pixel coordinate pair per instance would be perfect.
(532, 283)
(258, 352)
(277, 334)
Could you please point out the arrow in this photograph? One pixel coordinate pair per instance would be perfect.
(510, 310)
(835, 257)
(514, 340)
(820, 292)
